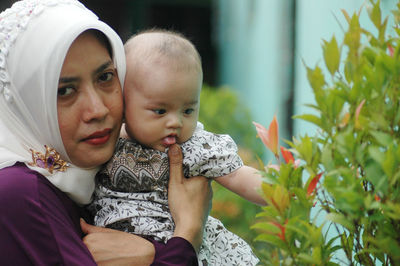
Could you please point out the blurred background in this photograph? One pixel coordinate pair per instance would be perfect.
(254, 54)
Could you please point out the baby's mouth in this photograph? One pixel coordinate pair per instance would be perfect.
(169, 140)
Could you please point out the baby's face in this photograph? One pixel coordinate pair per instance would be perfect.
(162, 106)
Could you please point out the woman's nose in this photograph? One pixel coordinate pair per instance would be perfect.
(94, 106)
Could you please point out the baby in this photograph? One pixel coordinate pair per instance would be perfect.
(161, 93)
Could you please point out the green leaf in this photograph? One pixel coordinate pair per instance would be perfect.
(269, 228)
(375, 14)
(268, 178)
(382, 138)
(374, 172)
(302, 197)
(397, 117)
(349, 71)
(316, 254)
(340, 219)
(331, 55)
(271, 239)
(269, 212)
(347, 242)
(393, 210)
(304, 257)
(390, 163)
(304, 232)
(346, 15)
(332, 240)
(317, 81)
(310, 118)
(353, 35)
(382, 30)
(377, 154)
(304, 148)
(393, 179)
(345, 142)
(327, 157)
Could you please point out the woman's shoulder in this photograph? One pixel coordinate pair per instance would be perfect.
(17, 181)
(38, 219)
(23, 187)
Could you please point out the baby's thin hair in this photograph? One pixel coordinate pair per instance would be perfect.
(165, 43)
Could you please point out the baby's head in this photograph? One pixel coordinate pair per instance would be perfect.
(162, 88)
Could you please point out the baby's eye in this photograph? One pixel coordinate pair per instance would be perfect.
(189, 111)
(159, 111)
(65, 91)
(106, 76)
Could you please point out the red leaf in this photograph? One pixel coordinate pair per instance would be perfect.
(281, 234)
(345, 120)
(313, 184)
(287, 155)
(391, 50)
(357, 114)
(377, 198)
(269, 137)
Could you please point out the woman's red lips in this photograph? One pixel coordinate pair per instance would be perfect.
(98, 137)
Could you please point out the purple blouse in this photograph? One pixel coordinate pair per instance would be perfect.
(39, 225)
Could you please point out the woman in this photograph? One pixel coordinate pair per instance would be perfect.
(60, 116)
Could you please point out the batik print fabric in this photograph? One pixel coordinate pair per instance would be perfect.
(131, 193)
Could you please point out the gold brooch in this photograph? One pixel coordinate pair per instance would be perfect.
(51, 161)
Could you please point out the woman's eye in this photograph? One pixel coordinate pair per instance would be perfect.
(107, 76)
(65, 91)
(189, 111)
(159, 111)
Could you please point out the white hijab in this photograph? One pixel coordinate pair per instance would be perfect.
(35, 36)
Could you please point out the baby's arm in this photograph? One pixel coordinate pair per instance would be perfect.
(246, 182)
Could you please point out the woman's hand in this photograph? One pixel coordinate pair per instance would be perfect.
(112, 247)
(189, 200)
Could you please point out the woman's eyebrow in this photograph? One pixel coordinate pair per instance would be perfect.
(95, 72)
(67, 80)
(102, 67)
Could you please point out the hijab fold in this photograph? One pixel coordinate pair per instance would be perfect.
(35, 36)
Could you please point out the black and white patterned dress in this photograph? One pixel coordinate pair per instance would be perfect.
(131, 194)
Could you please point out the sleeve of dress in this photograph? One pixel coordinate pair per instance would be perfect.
(176, 252)
(210, 155)
(39, 224)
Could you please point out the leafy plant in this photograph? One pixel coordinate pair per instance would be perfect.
(339, 202)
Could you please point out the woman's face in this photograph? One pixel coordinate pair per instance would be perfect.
(89, 102)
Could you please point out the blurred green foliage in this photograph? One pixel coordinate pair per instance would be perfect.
(222, 112)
